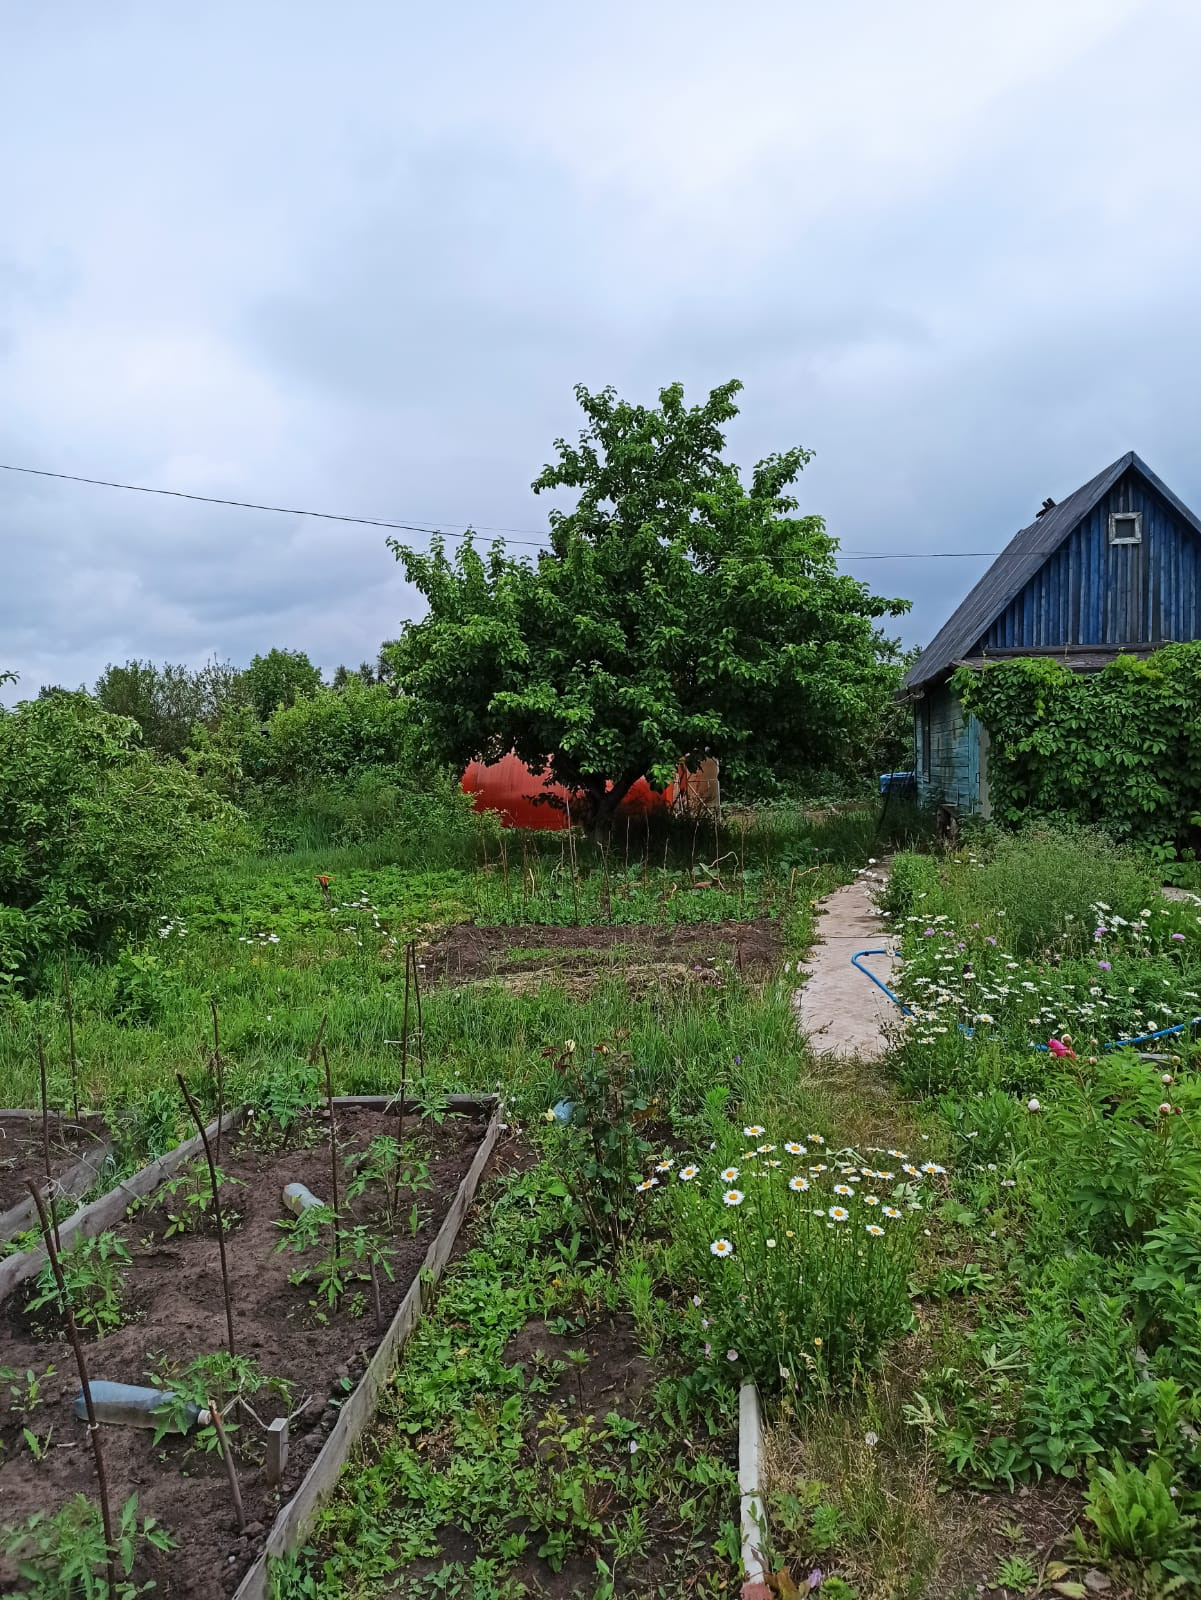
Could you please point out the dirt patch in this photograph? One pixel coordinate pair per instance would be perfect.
(612, 1378)
(22, 1157)
(175, 1285)
(699, 951)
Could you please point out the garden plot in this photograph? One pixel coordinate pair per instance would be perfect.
(306, 1321)
(75, 1150)
(639, 953)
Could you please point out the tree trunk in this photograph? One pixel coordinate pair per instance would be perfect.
(605, 802)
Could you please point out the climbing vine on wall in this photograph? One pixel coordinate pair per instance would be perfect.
(1120, 747)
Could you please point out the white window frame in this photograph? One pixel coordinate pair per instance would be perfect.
(1125, 527)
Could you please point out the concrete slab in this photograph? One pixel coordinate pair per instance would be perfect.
(841, 1012)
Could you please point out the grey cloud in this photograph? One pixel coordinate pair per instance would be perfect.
(360, 266)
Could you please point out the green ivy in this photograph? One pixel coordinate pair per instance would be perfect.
(1121, 746)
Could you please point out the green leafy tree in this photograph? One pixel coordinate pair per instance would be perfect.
(93, 827)
(280, 678)
(678, 612)
(168, 701)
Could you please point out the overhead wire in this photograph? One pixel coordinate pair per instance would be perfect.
(429, 528)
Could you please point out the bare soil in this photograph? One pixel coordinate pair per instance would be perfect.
(698, 951)
(175, 1287)
(22, 1156)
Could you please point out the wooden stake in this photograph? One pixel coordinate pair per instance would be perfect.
(219, 1074)
(420, 1025)
(315, 1047)
(71, 1034)
(277, 1450)
(208, 1156)
(46, 1143)
(84, 1383)
(333, 1141)
(231, 1471)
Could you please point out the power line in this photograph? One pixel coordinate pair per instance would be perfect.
(429, 528)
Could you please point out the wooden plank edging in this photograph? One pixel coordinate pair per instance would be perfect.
(77, 1179)
(93, 1219)
(319, 1482)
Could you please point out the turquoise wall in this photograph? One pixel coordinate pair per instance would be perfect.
(946, 751)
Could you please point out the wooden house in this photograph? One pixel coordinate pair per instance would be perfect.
(1114, 567)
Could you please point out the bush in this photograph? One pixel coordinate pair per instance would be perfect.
(93, 828)
(337, 733)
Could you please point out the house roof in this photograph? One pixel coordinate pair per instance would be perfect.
(1020, 560)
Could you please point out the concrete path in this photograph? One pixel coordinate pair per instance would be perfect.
(840, 1011)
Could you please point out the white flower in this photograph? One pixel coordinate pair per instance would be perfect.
(686, 1174)
(721, 1247)
(871, 1439)
(770, 1243)
(1032, 1104)
(733, 1197)
(729, 1175)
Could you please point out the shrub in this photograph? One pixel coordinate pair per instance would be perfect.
(93, 829)
(600, 1151)
(335, 733)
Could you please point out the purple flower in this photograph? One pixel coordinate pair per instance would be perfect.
(737, 1061)
(1104, 966)
(1179, 937)
(815, 1579)
(989, 939)
(1099, 933)
(708, 1349)
(731, 1355)
(929, 933)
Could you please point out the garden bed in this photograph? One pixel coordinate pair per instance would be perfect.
(696, 949)
(78, 1151)
(292, 1334)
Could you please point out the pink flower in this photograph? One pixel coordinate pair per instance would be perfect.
(731, 1355)
(1165, 1110)
(1058, 1048)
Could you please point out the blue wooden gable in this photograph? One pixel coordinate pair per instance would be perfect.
(1114, 567)
(1091, 591)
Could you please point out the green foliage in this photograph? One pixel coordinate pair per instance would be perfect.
(335, 733)
(167, 702)
(94, 1281)
(1120, 747)
(62, 1555)
(676, 612)
(601, 1151)
(93, 829)
(279, 678)
(186, 1200)
(1134, 1511)
(210, 1383)
(800, 1260)
(1120, 1161)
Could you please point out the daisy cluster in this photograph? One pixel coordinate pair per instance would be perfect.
(957, 979)
(843, 1189)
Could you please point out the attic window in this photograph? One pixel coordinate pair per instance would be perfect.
(1125, 527)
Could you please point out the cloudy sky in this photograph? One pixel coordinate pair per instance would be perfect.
(354, 257)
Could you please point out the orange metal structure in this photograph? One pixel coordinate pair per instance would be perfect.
(522, 797)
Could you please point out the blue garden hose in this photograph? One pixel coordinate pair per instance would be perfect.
(1114, 1044)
